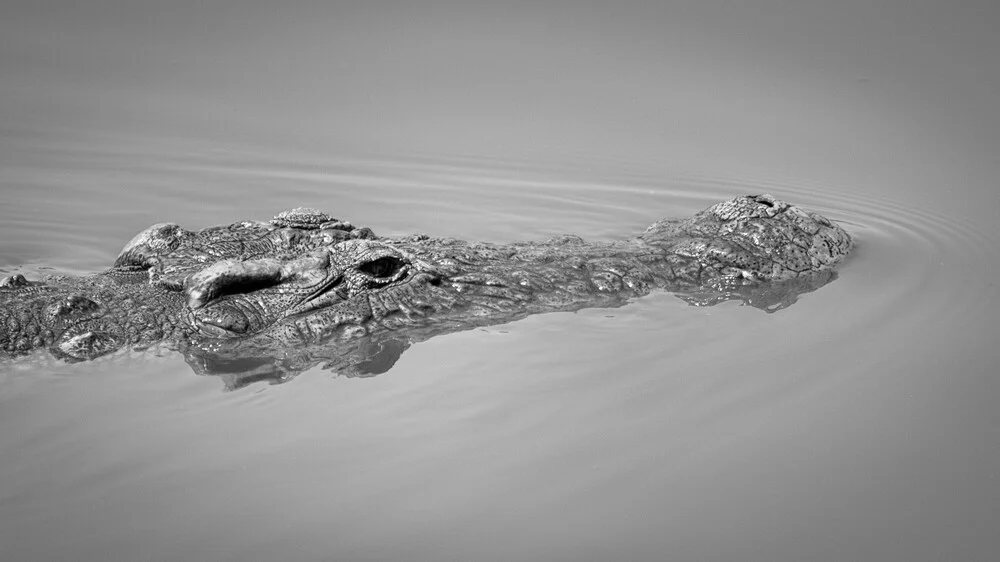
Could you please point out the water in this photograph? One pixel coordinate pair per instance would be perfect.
(859, 423)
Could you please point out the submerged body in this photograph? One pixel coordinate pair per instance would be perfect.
(305, 288)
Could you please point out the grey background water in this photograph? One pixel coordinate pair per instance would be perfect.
(859, 424)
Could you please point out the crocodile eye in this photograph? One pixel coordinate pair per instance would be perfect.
(383, 267)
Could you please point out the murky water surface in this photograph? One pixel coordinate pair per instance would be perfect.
(859, 423)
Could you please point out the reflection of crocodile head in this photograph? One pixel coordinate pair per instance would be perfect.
(268, 300)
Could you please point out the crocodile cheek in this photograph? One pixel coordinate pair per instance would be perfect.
(333, 295)
(72, 307)
(221, 321)
(87, 345)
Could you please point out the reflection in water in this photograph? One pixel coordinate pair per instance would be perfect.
(367, 356)
(373, 354)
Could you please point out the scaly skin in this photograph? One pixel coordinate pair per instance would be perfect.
(85, 317)
(268, 300)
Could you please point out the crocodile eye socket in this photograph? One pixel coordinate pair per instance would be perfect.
(383, 267)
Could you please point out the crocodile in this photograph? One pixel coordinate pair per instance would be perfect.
(268, 300)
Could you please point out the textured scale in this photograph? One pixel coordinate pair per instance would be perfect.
(302, 217)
